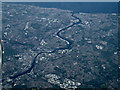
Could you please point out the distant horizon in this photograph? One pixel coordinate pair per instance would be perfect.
(81, 2)
(60, 0)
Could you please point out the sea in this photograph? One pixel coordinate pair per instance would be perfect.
(86, 7)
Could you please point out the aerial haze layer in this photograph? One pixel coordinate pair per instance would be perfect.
(60, 0)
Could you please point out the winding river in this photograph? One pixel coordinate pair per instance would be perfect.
(58, 34)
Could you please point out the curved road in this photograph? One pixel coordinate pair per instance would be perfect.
(69, 43)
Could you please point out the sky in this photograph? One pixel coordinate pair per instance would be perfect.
(59, 0)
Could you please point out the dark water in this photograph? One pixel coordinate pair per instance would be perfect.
(87, 7)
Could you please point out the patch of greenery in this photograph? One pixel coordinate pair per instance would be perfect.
(36, 25)
(9, 51)
(58, 70)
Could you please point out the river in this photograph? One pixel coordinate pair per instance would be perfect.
(69, 43)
